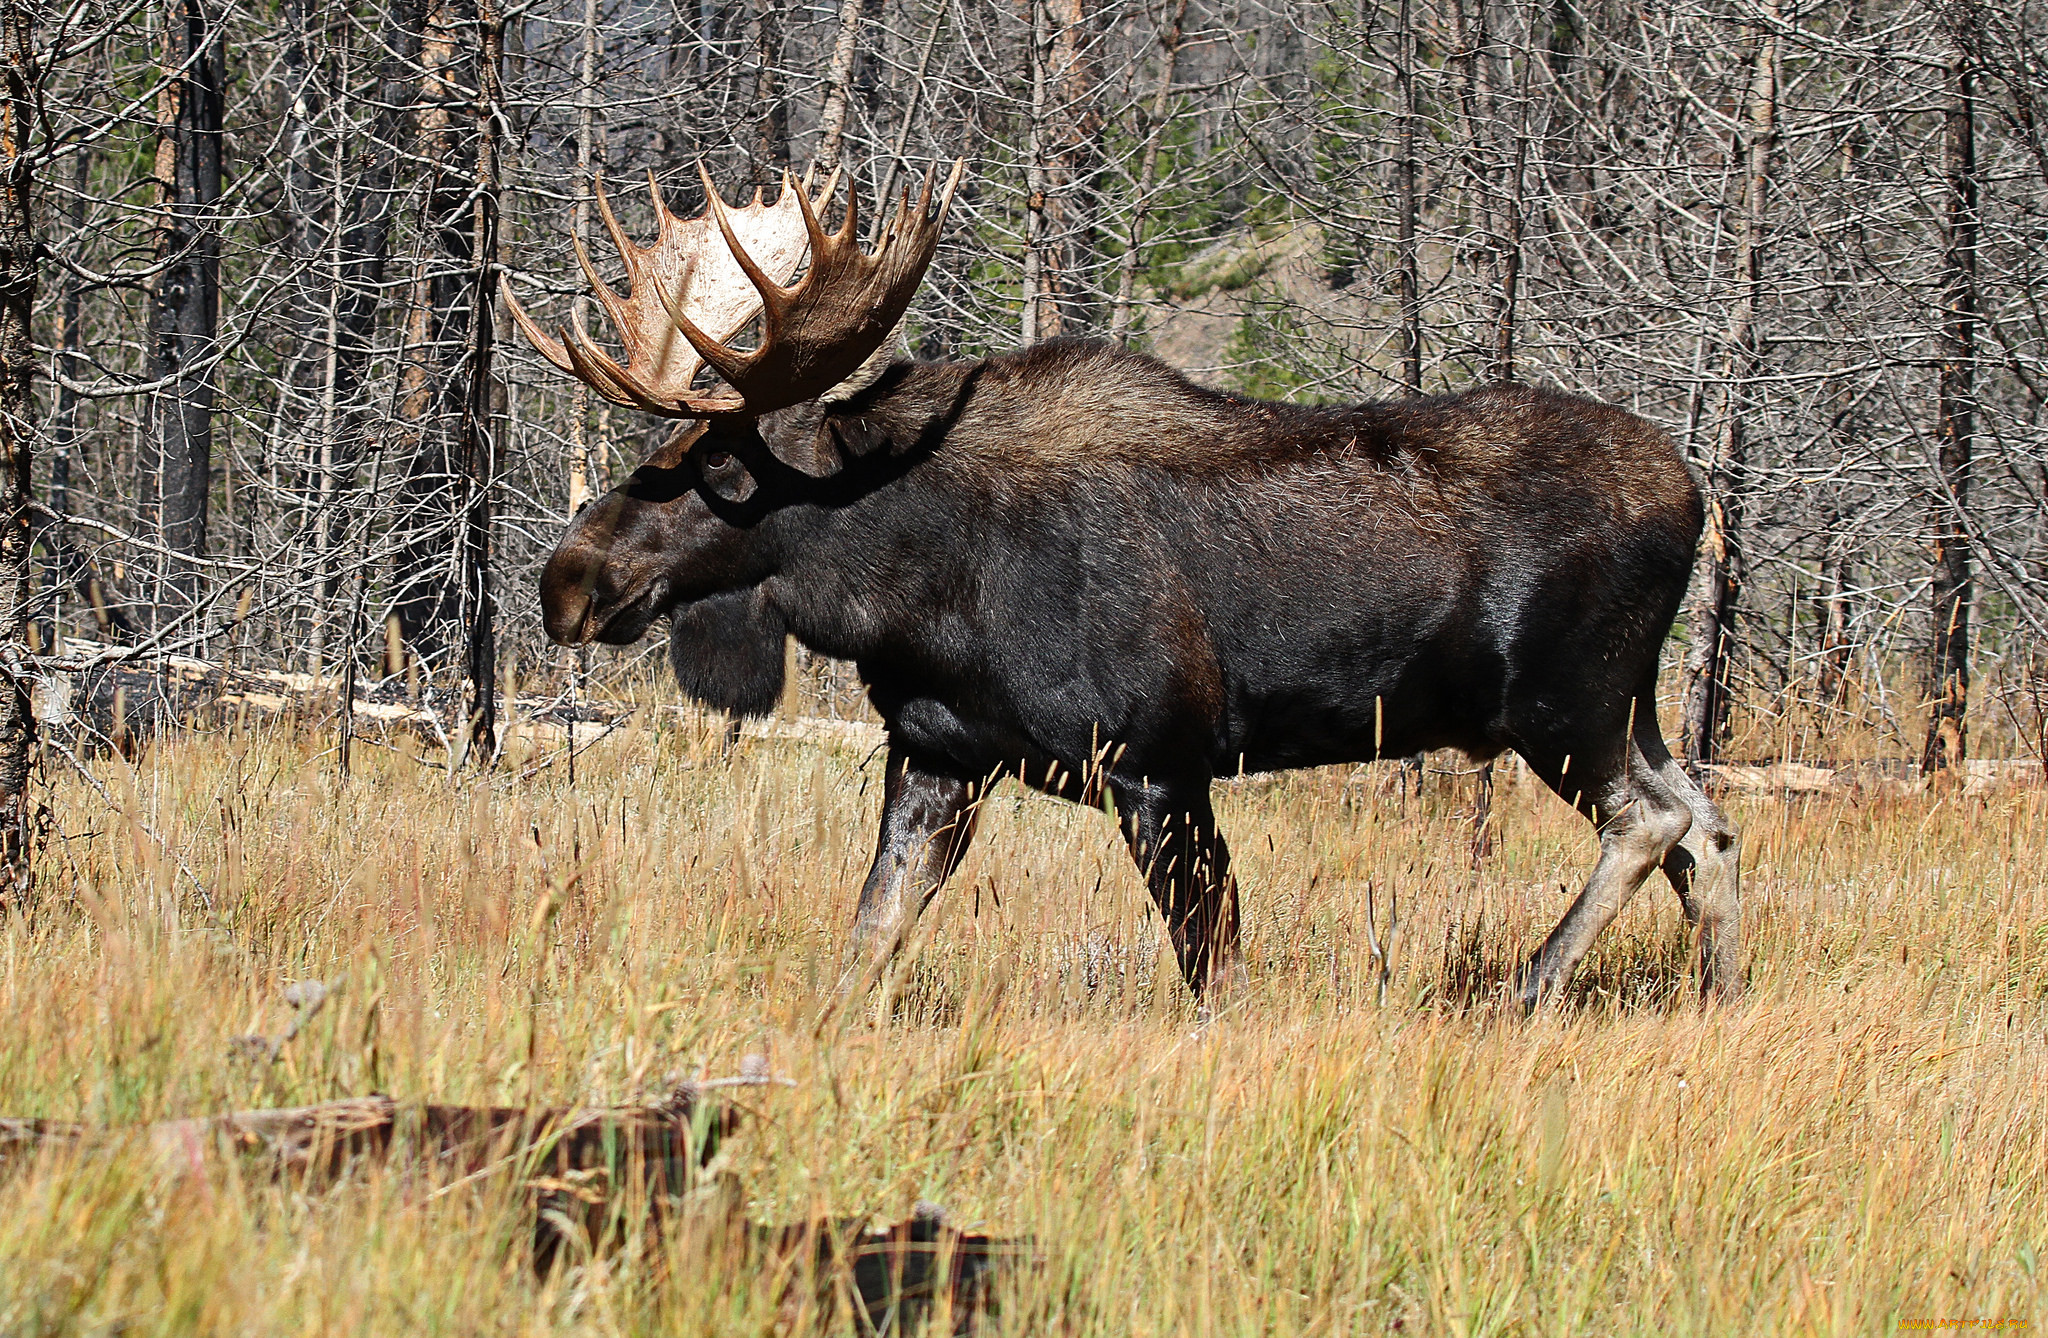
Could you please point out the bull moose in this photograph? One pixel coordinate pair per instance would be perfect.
(1073, 566)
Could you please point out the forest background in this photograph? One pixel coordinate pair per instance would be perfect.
(261, 404)
(264, 421)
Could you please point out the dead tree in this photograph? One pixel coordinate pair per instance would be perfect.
(478, 433)
(67, 567)
(1831, 680)
(186, 310)
(19, 20)
(1065, 132)
(580, 462)
(838, 84)
(1708, 690)
(1955, 410)
(1408, 261)
(435, 394)
(770, 149)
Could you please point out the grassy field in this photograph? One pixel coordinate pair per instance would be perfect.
(1860, 1147)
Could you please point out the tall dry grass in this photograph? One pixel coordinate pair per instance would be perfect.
(1859, 1147)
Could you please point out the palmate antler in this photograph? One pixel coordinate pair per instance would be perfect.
(814, 334)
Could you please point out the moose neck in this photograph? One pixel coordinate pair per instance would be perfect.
(870, 551)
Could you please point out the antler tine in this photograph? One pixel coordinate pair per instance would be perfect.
(923, 219)
(595, 368)
(620, 240)
(544, 343)
(899, 218)
(615, 306)
(952, 184)
(831, 183)
(608, 297)
(665, 220)
(849, 227)
(769, 288)
(561, 352)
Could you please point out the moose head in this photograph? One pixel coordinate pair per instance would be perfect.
(680, 535)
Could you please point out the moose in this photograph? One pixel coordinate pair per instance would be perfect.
(1073, 566)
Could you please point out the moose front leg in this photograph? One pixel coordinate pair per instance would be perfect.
(1172, 834)
(927, 823)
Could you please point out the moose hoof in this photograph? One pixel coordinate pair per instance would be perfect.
(1717, 993)
(1533, 985)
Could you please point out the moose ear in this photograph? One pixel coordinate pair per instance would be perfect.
(820, 443)
(846, 438)
(823, 436)
(727, 652)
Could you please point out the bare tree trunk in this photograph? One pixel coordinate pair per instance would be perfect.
(1508, 250)
(1956, 410)
(361, 251)
(586, 167)
(1832, 677)
(435, 396)
(65, 567)
(367, 220)
(1468, 43)
(187, 299)
(838, 81)
(1409, 265)
(479, 437)
(19, 21)
(1153, 129)
(306, 389)
(1071, 164)
(771, 125)
(1035, 221)
(1713, 621)
(1064, 137)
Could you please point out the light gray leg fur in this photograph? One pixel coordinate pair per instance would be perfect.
(1641, 819)
(1705, 871)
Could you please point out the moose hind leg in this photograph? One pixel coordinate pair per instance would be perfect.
(1704, 868)
(927, 824)
(1172, 834)
(1640, 819)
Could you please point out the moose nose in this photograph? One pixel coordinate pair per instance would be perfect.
(568, 586)
(564, 602)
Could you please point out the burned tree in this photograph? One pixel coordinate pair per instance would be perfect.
(1708, 672)
(18, 274)
(190, 109)
(1955, 410)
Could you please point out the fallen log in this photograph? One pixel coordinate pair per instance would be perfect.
(321, 1141)
(587, 1174)
(124, 703)
(579, 1168)
(1978, 776)
(845, 1274)
(895, 1278)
